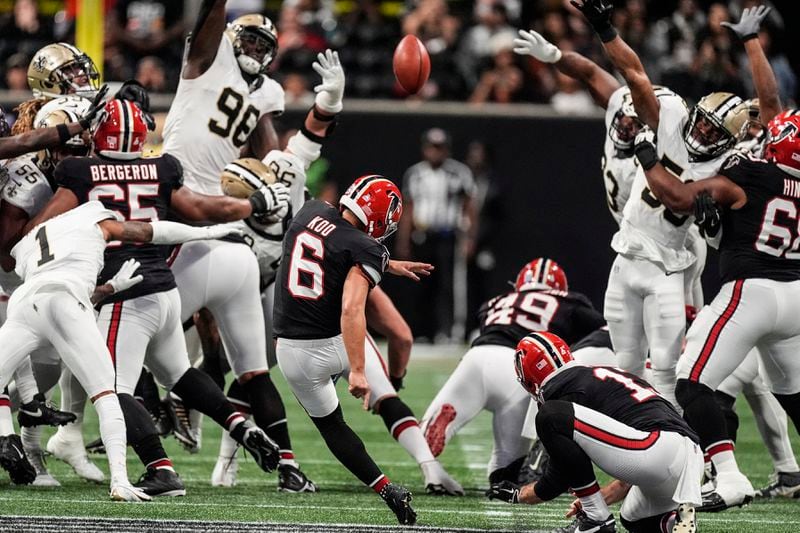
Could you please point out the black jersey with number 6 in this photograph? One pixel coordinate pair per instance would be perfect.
(141, 190)
(506, 319)
(618, 394)
(761, 239)
(319, 250)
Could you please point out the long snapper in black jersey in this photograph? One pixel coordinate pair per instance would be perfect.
(506, 319)
(761, 239)
(319, 250)
(140, 189)
(617, 394)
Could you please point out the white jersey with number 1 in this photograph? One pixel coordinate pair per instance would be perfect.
(66, 250)
(212, 117)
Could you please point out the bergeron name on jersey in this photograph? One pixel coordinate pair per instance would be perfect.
(147, 172)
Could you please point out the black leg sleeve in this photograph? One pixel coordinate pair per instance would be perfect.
(791, 404)
(701, 411)
(141, 433)
(347, 447)
(267, 408)
(726, 404)
(198, 391)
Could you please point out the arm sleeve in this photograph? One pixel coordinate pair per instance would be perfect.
(72, 174)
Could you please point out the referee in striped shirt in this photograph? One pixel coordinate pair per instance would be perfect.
(439, 226)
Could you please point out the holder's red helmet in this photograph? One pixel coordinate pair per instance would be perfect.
(541, 273)
(121, 130)
(538, 356)
(783, 141)
(376, 202)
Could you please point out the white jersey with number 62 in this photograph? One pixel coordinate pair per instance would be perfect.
(212, 117)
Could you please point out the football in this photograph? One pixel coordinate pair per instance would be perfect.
(240, 179)
(411, 64)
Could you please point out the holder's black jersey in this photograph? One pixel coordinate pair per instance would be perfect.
(139, 190)
(319, 250)
(599, 338)
(617, 394)
(761, 239)
(507, 318)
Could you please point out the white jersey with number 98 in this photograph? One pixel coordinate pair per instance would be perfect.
(212, 117)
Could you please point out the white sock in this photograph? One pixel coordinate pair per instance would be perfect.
(592, 501)
(721, 454)
(410, 437)
(32, 437)
(73, 400)
(25, 382)
(112, 431)
(227, 446)
(772, 424)
(6, 421)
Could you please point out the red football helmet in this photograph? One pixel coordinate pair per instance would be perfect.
(541, 273)
(783, 141)
(376, 202)
(121, 130)
(538, 356)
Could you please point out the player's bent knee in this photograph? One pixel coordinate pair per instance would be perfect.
(555, 417)
(687, 392)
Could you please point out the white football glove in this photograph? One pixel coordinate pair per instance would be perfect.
(124, 278)
(331, 91)
(533, 44)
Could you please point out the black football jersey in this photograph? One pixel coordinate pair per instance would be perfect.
(599, 338)
(139, 190)
(319, 250)
(506, 319)
(619, 395)
(761, 239)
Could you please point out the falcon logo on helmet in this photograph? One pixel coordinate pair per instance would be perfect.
(252, 36)
(121, 131)
(60, 69)
(783, 141)
(715, 124)
(377, 204)
(541, 274)
(538, 357)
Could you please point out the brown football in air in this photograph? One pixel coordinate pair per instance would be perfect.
(411, 64)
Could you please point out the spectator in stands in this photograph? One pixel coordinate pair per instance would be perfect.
(296, 91)
(714, 66)
(24, 30)
(785, 76)
(438, 211)
(150, 73)
(141, 28)
(503, 82)
(571, 98)
(298, 43)
(674, 39)
(16, 78)
(475, 52)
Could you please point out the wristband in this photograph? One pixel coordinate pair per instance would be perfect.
(321, 116)
(313, 137)
(63, 133)
(748, 37)
(646, 154)
(607, 34)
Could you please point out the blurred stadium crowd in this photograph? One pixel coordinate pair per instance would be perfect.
(681, 43)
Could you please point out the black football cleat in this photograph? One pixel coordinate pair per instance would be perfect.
(399, 501)
(96, 446)
(262, 448)
(39, 413)
(161, 482)
(291, 479)
(535, 464)
(584, 524)
(14, 460)
(178, 414)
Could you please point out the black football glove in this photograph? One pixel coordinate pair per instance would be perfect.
(133, 91)
(87, 120)
(707, 215)
(505, 491)
(644, 147)
(397, 382)
(598, 13)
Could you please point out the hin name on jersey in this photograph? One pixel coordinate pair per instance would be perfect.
(791, 188)
(148, 172)
(321, 226)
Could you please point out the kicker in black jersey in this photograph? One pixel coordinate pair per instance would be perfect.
(139, 190)
(617, 394)
(319, 250)
(761, 239)
(506, 319)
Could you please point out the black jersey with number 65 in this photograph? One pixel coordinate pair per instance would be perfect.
(618, 394)
(506, 319)
(140, 189)
(761, 239)
(319, 250)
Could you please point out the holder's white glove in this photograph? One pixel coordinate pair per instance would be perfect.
(331, 91)
(533, 44)
(124, 278)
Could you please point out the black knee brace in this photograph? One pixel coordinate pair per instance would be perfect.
(726, 404)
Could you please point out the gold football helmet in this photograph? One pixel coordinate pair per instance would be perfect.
(60, 69)
(255, 42)
(62, 110)
(715, 124)
(242, 177)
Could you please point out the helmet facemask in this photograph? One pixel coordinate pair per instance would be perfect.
(705, 136)
(255, 49)
(79, 77)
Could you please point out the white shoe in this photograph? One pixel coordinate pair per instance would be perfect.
(438, 481)
(125, 492)
(74, 454)
(225, 471)
(733, 490)
(43, 477)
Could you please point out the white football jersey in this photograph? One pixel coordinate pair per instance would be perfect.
(65, 250)
(649, 230)
(28, 189)
(618, 172)
(212, 116)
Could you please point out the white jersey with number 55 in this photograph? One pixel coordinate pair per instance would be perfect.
(649, 230)
(65, 250)
(212, 117)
